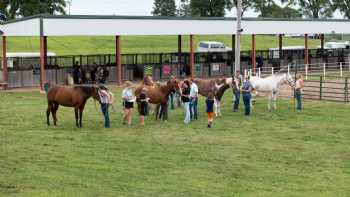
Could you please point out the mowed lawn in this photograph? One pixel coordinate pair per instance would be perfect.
(84, 45)
(280, 153)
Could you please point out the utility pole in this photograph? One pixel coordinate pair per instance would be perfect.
(238, 36)
(69, 2)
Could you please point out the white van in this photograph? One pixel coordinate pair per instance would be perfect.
(211, 46)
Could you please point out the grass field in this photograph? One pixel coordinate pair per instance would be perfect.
(138, 44)
(281, 153)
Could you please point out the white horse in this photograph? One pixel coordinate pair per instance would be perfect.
(271, 85)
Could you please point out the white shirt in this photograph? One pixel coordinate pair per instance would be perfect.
(128, 95)
(194, 90)
(103, 96)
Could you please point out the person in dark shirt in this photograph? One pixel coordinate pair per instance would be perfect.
(210, 108)
(185, 97)
(144, 105)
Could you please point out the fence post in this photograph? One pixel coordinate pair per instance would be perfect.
(250, 72)
(259, 72)
(245, 72)
(288, 69)
(341, 69)
(346, 91)
(321, 83)
(306, 70)
(324, 70)
(272, 70)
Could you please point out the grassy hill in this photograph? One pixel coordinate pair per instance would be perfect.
(74, 45)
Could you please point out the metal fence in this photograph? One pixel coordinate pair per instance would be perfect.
(331, 88)
(24, 72)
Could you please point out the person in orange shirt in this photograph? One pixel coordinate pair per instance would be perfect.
(210, 110)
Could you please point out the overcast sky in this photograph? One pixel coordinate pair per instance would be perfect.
(126, 7)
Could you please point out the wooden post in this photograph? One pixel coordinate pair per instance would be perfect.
(322, 41)
(253, 54)
(4, 60)
(179, 49)
(280, 45)
(118, 59)
(233, 53)
(306, 51)
(42, 62)
(321, 83)
(45, 50)
(192, 74)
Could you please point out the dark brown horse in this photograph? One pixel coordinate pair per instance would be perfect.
(216, 87)
(159, 94)
(66, 96)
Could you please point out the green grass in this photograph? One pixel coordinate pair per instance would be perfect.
(282, 153)
(137, 44)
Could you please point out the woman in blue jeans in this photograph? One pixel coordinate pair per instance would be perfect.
(246, 91)
(105, 98)
(299, 85)
(185, 97)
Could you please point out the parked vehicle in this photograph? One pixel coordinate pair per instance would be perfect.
(3, 17)
(211, 46)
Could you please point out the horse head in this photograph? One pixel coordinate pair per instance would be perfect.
(175, 85)
(289, 79)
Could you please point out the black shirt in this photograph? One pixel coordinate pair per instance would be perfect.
(186, 91)
(143, 97)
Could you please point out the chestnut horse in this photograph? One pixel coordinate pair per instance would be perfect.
(216, 87)
(159, 94)
(70, 97)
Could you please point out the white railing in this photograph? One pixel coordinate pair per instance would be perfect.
(336, 68)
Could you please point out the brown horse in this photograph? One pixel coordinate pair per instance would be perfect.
(216, 87)
(159, 94)
(70, 97)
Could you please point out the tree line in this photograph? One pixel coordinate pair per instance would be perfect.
(21, 8)
(265, 8)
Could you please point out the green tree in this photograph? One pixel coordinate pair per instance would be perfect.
(185, 8)
(164, 8)
(343, 6)
(272, 10)
(14, 8)
(316, 8)
(210, 8)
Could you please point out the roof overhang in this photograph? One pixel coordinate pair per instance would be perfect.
(86, 25)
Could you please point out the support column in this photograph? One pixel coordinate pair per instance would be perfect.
(179, 49)
(42, 62)
(191, 56)
(4, 60)
(322, 41)
(280, 45)
(118, 59)
(254, 53)
(45, 50)
(306, 51)
(233, 54)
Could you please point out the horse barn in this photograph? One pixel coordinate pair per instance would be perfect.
(36, 71)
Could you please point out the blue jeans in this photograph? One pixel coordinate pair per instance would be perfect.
(187, 112)
(298, 96)
(237, 94)
(246, 101)
(193, 108)
(104, 108)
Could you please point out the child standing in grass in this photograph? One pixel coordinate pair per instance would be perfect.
(144, 105)
(210, 108)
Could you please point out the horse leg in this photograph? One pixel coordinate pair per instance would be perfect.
(165, 111)
(48, 113)
(274, 100)
(76, 116)
(54, 110)
(81, 109)
(219, 108)
(269, 102)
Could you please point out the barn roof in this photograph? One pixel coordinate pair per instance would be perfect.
(103, 25)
